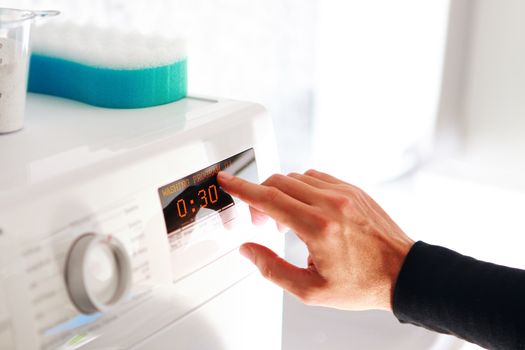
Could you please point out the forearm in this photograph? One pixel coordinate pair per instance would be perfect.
(447, 292)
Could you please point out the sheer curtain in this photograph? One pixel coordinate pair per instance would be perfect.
(379, 69)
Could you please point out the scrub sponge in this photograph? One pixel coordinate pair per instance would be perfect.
(106, 68)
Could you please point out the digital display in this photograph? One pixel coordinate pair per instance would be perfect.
(193, 198)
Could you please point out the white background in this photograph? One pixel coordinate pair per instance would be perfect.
(361, 88)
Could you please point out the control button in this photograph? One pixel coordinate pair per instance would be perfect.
(98, 272)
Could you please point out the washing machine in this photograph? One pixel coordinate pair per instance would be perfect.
(114, 233)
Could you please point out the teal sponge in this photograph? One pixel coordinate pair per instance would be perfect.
(108, 87)
(110, 69)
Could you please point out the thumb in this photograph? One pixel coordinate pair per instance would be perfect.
(296, 280)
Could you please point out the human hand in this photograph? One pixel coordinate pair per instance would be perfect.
(355, 249)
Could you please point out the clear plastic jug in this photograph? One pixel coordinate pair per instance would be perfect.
(15, 30)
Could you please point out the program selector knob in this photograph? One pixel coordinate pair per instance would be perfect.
(98, 272)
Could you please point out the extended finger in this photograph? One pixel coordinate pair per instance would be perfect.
(290, 277)
(300, 217)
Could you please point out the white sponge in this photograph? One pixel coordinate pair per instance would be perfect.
(105, 47)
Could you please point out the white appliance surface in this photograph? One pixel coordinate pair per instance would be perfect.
(106, 182)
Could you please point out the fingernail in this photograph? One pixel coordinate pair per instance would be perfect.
(224, 176)
(246, 252)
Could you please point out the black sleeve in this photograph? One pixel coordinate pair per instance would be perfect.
(447, 292)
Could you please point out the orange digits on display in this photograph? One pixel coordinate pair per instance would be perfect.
(213, 193)
(182, 212)
(203, 197)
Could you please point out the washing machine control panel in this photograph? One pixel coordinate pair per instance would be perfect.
(135, 257)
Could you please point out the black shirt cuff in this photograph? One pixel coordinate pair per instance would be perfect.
(447, 292)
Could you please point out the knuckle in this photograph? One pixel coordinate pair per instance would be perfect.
(331, 227)
(325, 225)
(266, 272)
(272, 179)
(341, 202)
(310, 172)
(267, 267)
(271, 193)
(278, 177)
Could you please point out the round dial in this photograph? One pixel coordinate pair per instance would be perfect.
(98, 272)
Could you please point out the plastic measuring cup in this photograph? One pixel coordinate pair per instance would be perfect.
(15, 30)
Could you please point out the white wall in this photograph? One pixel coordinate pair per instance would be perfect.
(494, 100)
(378, 69)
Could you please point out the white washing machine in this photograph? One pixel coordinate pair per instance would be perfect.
(114, 233)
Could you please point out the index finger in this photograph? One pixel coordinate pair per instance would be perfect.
(284, 209)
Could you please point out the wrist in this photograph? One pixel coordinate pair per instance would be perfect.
(393, 254)
(399, 252)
